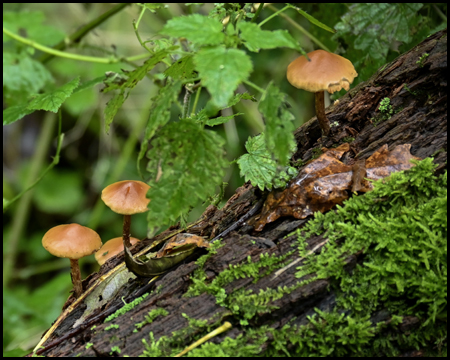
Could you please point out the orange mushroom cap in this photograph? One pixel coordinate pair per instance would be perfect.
(126, 197)
(111, 248)
(71, 241)
(325, 71)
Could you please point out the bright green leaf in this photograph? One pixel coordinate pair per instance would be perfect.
(112, 106)
(259, 167)
(256, 38)
(53, 100)
(279, 127)
(133, 77)
(222, 70)
(197, 28)
(14, 113)
(182, 69)
(221, 119)
(186, 164)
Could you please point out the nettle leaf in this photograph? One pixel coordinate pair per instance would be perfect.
(256, 38)
(14, 113)
(196, 28)
(52, 101)
(112, 106)
(221, 119)
(22, 73)
(222, 70)
(279, 127)
(159, 113)
(182, 69)
(259, 167)
(186, 163)
(133, 77)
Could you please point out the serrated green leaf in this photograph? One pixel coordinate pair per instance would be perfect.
(221, 119)
(182, 69)
(24, 74)
(138, 74)
(53, 100)
(279, 127)
(14, 113)
(221, 71)
(196, 28)
(112, 106)
(314, 21)
(159, 113)
(259, 167)
(186, 163)
(255, 38)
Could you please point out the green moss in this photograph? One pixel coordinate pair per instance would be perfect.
(126, 308)
(348, 139)
(316, 152)
(112, 326)
(422, 59)
(401, 228)
(115, 349)
(152, 315)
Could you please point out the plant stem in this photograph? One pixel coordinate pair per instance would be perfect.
(320, 113)
(254, 86)
(301, 29)
(197, 96)
(46, 49)
(258, 11)
(273, 15)
(76, 277)
(186, 101)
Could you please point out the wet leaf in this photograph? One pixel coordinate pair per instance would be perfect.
(327, 181)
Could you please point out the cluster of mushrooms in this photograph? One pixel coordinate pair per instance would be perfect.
(74, 241)
(321, 71)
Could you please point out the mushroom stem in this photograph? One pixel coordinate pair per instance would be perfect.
(126, 230)
(320, 113)
(76, 277)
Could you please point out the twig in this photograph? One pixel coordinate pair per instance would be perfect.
(315, 248)
(238, 223)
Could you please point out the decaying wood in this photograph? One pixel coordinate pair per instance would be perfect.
(420, 119)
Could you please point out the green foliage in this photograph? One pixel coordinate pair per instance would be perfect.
(259, 167)
(189, 169)
(142, 83)
(402, 227)
(279, 128)
(112, 326)
(377, 32)
(386, 111)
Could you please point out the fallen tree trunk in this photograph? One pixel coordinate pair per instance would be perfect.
(227, 285)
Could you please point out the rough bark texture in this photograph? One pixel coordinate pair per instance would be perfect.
(420, 119)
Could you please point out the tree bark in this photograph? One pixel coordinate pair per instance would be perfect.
(418, 95)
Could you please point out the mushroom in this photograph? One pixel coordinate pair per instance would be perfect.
(111, 248)
(324, 71)
(126, 198)
(72, 241)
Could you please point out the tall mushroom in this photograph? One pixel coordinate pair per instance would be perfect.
(72, 241)
(324, 72)
(126, 197)
(111, 248)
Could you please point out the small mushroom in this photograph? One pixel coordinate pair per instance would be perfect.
(324, 72)
(111, 248)
(126, 197)
(72, 241)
